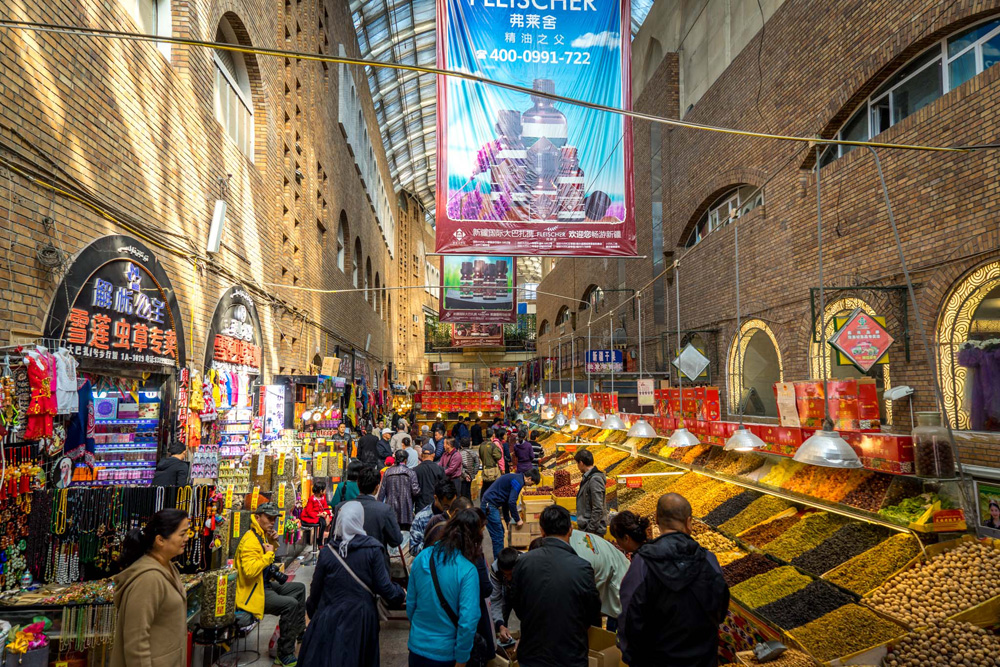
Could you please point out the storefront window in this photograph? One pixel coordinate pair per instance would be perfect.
(754, 367)
(969, 355)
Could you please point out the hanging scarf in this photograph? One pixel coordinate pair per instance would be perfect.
(350, 524)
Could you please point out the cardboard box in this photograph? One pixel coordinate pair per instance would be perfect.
(568, 503)
(603, 649)
(886, 452)
(520, 537)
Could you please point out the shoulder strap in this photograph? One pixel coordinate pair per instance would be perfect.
(347, 567)
(437, 587)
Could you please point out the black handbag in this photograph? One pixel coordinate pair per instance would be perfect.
(477, 658)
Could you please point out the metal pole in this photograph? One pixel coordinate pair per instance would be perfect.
(677, 298)
(587, 367)
(611, 330)
(739, 327)
(822, 292)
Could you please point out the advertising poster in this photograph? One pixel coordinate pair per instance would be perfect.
(469, 334)
(273, 408)
(478, 288)
(988, 497)
(524, 174)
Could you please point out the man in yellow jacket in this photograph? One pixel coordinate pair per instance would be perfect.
(258, 593)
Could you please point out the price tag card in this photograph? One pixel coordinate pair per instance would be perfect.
(254, 499)
(281, 495)
(260, 463)
(236, 524)
(281, 464)
(281, 524)
(633, 482)
(229, 497)
(221, 585)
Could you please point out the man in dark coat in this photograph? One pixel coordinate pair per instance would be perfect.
(673, 597)
(476, 432)
(172, 470)
(428, 475)
(368, 449)
(380, 520)
(591, 515)
(555, 597)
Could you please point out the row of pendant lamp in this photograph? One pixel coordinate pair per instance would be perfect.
(824, 448)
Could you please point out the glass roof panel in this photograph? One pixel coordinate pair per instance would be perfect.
(404, 31)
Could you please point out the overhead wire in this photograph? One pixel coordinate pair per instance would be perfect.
(81, 31)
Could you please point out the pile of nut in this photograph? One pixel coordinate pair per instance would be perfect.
(946, 643)
(944, 585)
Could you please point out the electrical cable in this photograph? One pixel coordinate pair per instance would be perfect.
(79, 31)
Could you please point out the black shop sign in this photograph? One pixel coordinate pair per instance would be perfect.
(234, 339)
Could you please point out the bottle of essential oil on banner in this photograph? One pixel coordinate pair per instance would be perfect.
(504, 292)
(465, 282)
(490, 282)
(543, 120)
(509, 194)
(478, 276)
(570, 187)
(545, 197)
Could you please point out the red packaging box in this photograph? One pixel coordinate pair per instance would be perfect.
(710, 410)
(789, 437)
(886, 452)
(868, 407)
(809, 401)
(769, 434)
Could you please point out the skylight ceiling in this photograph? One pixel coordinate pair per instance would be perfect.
(404, 31)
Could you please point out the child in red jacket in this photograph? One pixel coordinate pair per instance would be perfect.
(317, 511)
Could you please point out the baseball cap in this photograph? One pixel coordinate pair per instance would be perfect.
(387, 430)
(268, 509)
(429, 449)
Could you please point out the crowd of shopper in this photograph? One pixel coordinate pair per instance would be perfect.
(664, 596)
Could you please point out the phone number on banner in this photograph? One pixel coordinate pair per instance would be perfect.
(543, 57)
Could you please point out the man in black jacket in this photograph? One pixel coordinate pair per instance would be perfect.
(673, 597)
(172, 470)
(380, 520)
(368, 449)
(555, 597)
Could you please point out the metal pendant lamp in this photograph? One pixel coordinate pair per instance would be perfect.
(573, 423)
(640, 427)
(589, 414)
(681, 437)
(826, 447)
(742, 440)
(613, 422)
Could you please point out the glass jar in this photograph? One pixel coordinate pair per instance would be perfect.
(933, 456)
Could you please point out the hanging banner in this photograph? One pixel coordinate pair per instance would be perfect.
(115, 304)
(604, 361)
(524, 174)
(478, 289)
(476, 335)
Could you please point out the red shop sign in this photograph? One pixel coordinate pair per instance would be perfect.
(862, 340)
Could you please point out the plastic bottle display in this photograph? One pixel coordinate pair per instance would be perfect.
(543, 120)
(570, 187)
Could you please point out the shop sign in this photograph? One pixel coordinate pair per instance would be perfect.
(235, 335)
(645, 390)
(477, 335)
(439, 366)
(604, 361)
(862, 340)
(115, 304)
(478, 288)
(521, 174)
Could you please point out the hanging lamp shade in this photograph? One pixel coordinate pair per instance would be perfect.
(573, 423)
(613, 423)
(743, 440)
(560, 419)
(827, 448)
(683, 438)
(589, 414)
(548, 412)
(641, 429)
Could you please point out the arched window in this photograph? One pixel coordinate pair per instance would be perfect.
(654, 55)
(233, 101)
(593, 297)
(377, 301)
(563, 316)
(152, 17)
(368, 280)
(969, 338)
(842, 308)
(941, 68)
(754, 367)
(342, 233)
(733, 203)
(543, 328)
(356, 263)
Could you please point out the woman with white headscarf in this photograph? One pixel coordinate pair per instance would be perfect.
(344, 625)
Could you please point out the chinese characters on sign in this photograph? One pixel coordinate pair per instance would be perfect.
(522, 173)
(645, 391)
(477, 335)
(234, 339)
(121, 315)
(604, 361)
(862, 340)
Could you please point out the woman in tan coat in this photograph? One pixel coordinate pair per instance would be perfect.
(149, 597)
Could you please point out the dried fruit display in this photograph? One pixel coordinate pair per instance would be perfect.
(844, 631)
(867, 571)
(749, 566)
(759, 510)
(653, 488)
(731, 507)
(944, 644)
(804, 606)
(760, 535)
(691, 454)
(804, 479)
(829, 484)
(768, 587)
(741, 463)
(561, 478)
(538, 491)
(846, 543)
(781, 471)
(790, 658)
(942, 586)
(909, 510)
(727, 557)
(702, 457)
(712, 496)
(667, 452)
(606, 457)
(805, 535)
(568, 491)
(714, 542)
(869, 494)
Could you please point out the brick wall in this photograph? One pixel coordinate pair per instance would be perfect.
(138, 132)
(819, 62)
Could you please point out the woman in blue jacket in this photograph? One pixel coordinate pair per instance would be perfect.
(443, 617)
